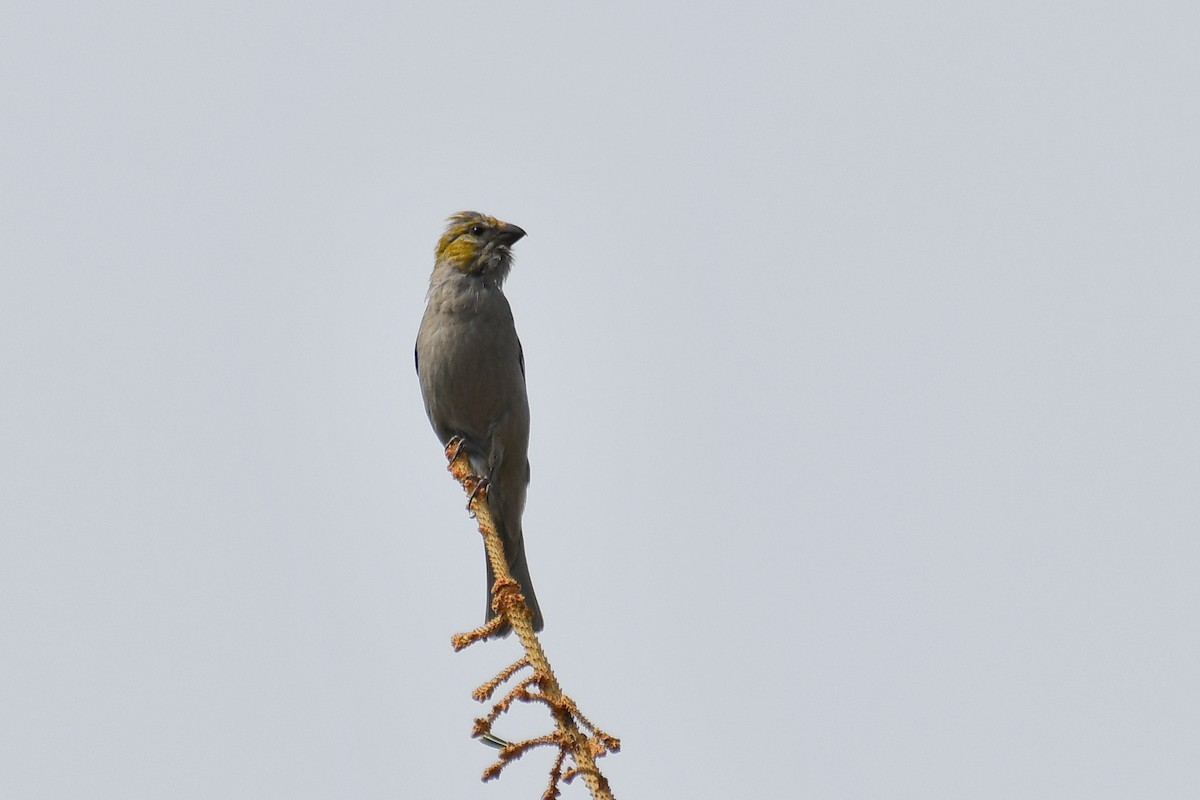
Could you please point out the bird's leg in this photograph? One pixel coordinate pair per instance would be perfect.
(454, 449)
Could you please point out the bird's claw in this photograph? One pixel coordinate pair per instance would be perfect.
(481, 484)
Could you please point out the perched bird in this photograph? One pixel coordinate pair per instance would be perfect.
(472, 374)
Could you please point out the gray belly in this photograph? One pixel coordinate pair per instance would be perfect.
(474, 382)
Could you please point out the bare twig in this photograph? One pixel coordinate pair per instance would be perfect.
(542, 687)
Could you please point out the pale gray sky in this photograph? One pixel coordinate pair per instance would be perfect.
(862, 346)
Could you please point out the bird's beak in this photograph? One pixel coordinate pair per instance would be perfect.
(509, 234)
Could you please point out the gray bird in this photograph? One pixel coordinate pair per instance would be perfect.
(472, 374)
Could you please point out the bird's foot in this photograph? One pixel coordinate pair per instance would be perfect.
(481, 485)
(454, 447)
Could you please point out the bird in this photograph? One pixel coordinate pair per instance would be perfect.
(472, 373)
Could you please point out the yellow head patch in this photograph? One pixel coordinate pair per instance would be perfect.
(475, 242)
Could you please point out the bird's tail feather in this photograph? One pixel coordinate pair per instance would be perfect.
(514, 551)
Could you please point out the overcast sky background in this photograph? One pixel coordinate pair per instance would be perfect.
(862, 345)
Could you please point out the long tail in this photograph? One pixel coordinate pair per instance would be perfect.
(514, 552)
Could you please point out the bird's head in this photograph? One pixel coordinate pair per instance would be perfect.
(477, 244)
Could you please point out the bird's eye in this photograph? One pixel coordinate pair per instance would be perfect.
(477, 230)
